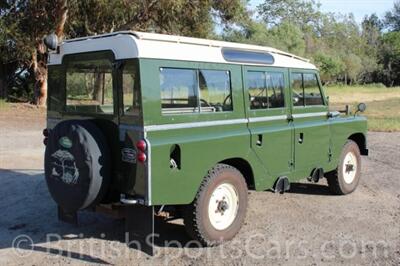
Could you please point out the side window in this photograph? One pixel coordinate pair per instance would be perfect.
(130, 90)
(257, 90)
(276, 86)
(266, 89)
(179, 90)
(306, 90)
(215, 90)
(194, 91)
(297, 88)
(312, 92)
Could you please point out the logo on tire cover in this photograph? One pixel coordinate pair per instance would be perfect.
(65, 142)
(64, 167)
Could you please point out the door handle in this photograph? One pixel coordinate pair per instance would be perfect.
(259, 140)
(290, 118)
(301, 138)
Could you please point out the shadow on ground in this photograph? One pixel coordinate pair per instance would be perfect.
(310, 189)
(29, 210)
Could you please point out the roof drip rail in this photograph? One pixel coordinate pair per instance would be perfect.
(102, 36)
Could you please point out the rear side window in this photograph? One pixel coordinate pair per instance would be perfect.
(215, 90)
(89, 87)
(306, 90)
(194, 91)
(179, 92)
(266, 89)
(297, 88)
(130, 90)
(312, 92)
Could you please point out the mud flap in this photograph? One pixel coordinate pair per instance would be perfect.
(282, 185)
(139, 228)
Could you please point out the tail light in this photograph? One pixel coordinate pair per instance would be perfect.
(45, 132)
(141, 157)
(141, 145)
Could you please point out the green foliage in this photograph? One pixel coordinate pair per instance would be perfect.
(289, 37)
(189, 18)
(345, 51)
(301, 13)
(285, 36)
(389, 57)
(329, 66)
(24, 23)
(392, 18)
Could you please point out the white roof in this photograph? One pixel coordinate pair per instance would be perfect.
(130, 44)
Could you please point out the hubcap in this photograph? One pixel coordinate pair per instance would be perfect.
(349, 167)
(223, 206)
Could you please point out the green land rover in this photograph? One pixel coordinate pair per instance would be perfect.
(150, 124)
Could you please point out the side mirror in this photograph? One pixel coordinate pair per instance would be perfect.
(361, 107)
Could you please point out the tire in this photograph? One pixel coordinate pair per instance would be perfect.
(217, 192)
(345, 178)
(77, 165)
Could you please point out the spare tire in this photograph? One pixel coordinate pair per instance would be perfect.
(77, 164)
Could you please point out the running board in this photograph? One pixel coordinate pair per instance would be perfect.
(282, 185)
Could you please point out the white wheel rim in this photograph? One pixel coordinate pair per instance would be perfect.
(223, 206)
(349, 168)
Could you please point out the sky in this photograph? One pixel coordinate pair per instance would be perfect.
(359, 8)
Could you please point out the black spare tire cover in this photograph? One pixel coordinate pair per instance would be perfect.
(77, 164)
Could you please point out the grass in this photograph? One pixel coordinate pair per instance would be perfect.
(3, 104)
(383, 104)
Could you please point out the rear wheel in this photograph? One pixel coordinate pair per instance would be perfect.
(219, 209)
(345, 178)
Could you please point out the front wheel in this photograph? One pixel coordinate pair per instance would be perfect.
(344, 180)
(219, 209)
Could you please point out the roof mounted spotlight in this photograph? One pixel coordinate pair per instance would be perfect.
(51, 41)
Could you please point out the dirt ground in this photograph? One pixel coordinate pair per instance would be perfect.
(307, 226)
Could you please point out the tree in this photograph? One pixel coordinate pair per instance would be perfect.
(392, 18)
(285, 36)
(297, 12)
(389, 57)
(371, 29)
(329, 66)
(353, 68)
(28, 21)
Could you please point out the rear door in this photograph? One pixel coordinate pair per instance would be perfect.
(132, 176)
(268, 107)
(310, 119)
